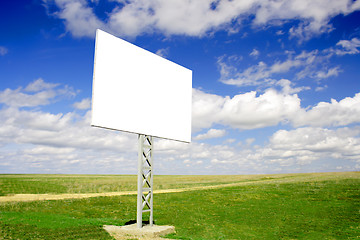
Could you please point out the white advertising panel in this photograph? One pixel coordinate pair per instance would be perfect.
(137, 91)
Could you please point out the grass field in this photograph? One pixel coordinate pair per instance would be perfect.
(286, 206)
(57, 184)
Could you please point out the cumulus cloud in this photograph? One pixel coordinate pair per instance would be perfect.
(315, 15)
(197, 18)
(41, 93)
(313, 139)
(249, 141)
(250, 110)
(17, 98)
(243, 111)
(211, 133)
(287, 87)
(83, 104)
(34, 140)
(205, 109)
(334, 113)
(39, 85)
(308, 144)
(296, 150)
(78, 16)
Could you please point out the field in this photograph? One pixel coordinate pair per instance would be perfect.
(284, 206)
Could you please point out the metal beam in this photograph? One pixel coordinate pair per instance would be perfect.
(145, 178)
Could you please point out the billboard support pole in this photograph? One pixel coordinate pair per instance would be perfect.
(145, 178)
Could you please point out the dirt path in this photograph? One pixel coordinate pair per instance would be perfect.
(39, 197)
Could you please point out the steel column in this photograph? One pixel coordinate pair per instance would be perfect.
(145, 178)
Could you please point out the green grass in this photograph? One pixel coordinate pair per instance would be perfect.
(56, 183)
(312, 206)
(316, 210)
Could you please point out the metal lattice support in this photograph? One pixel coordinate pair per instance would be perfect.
(145, 179)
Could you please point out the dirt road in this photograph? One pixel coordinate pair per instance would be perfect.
(39, 197)
(300, 178)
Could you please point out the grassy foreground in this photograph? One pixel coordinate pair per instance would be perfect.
(293, 206)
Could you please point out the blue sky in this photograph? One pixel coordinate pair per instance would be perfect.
(275, 85)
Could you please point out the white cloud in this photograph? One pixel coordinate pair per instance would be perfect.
(16, 98)
(42, 94)
(313, 64)
(197, 18)
(39, 85)
(287, 150)
(334, 113)
(285, 66)
(163, 52)
(83, 104)
(211, 133)
(297, 150)
(41, 150)
(79, 18)
(32, 140)
(249, 111)
(314, 143)
(320, 88)
(348, 47)
(38, 133)
(243, 111)
(287, 87)
(329, 73)
(252, 76)
(255, 53)
(205, 109)
(3, 51)
(249, 141)
(316, 15)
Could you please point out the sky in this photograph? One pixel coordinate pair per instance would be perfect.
(276, 85)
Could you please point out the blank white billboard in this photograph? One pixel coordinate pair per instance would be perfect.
(137, 91)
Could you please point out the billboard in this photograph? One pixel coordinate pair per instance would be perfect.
(140, 92)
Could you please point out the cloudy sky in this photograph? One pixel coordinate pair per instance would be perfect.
(276, 85)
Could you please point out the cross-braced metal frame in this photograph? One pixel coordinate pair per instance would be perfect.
(145, 178)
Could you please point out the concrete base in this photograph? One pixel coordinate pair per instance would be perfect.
(132, 232)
